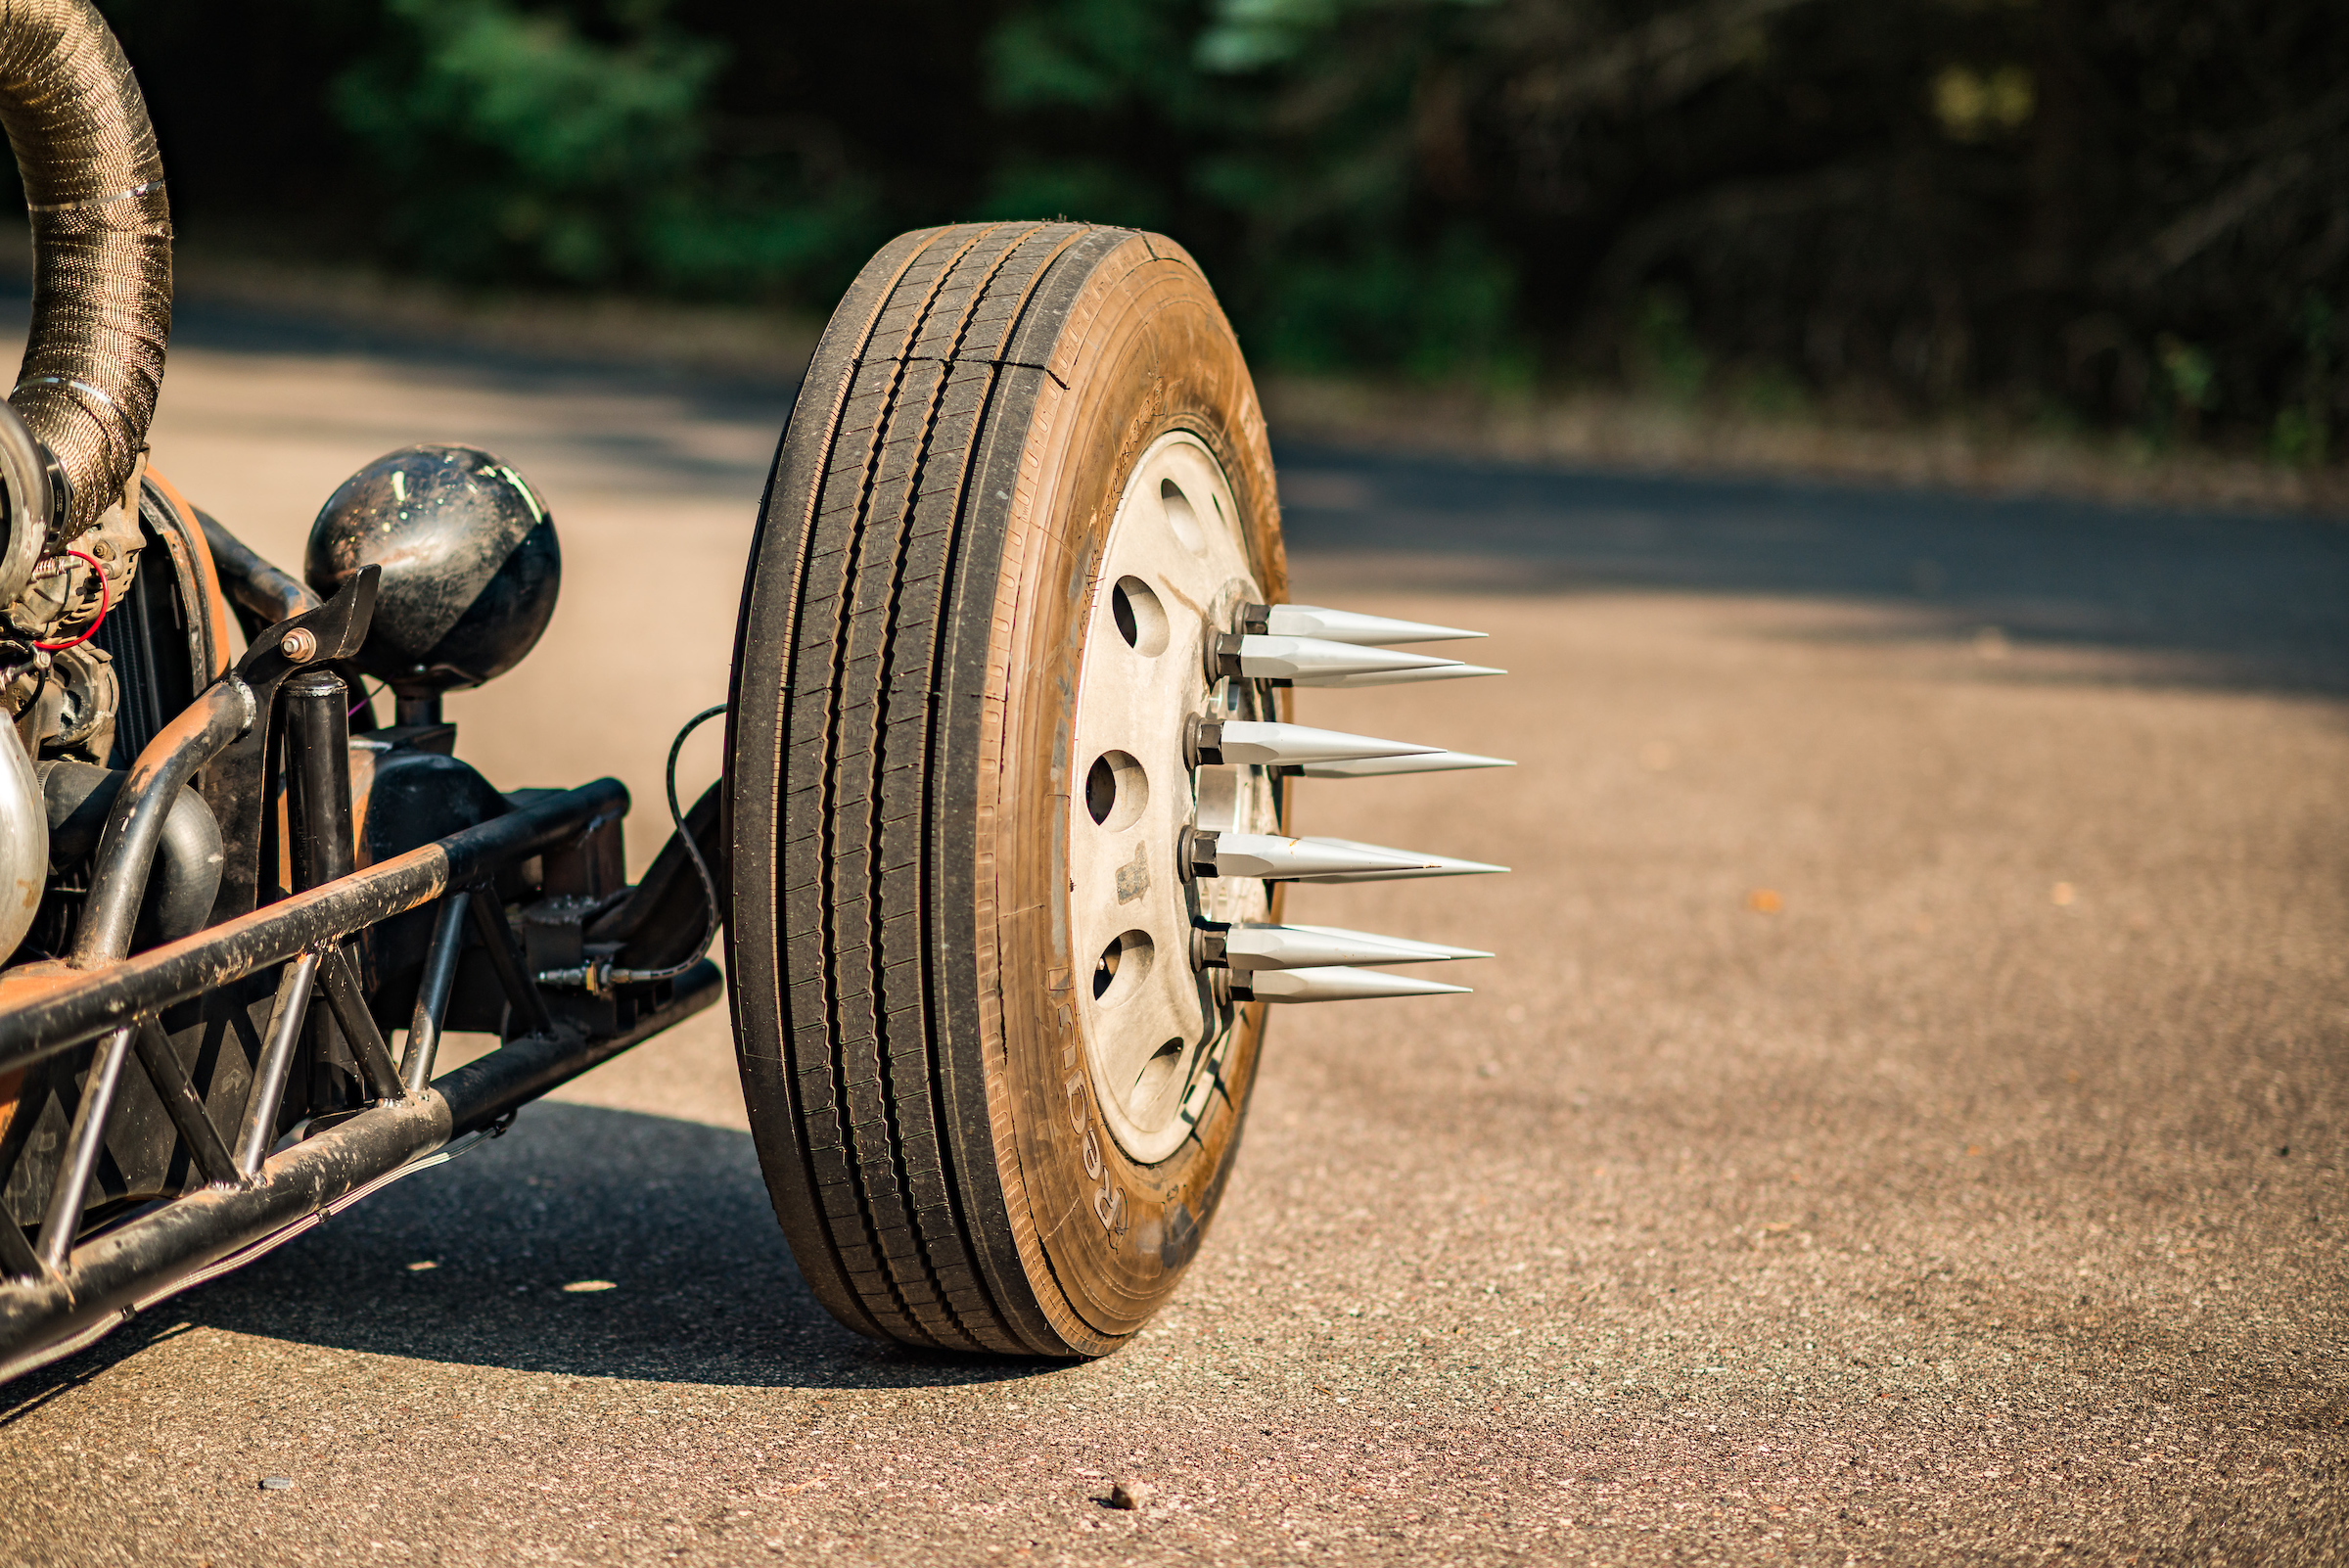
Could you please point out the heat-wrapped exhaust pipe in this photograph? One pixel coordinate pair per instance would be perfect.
(101, 316)
(100, 246)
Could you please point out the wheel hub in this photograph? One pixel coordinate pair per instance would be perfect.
(1173, 574)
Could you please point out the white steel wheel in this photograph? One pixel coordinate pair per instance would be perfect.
(1173, 574)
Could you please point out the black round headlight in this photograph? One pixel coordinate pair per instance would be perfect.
(470, 564)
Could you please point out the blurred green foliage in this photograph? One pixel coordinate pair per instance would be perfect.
(521, 144)
(2111, 211)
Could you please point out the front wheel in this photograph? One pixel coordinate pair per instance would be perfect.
(1024, 487)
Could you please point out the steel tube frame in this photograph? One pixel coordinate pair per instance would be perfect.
(268, 1088)
(85, 1141)
(111, 1277)
(432, 994)
(72, 1011)
(184, 1105)
(125, 855)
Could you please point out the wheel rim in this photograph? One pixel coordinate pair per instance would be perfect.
(1173, 574)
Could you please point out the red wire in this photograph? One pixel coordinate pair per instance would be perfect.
(105, 602)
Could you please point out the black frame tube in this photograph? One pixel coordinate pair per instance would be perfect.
(271, 594)
(183, 1104)
(348, 1004)
(317, 717)
(132, 1267)
(125, 854)
(85, 1142)
(66, 1016)
(513, 967)
(432, 993)
(269, 1074)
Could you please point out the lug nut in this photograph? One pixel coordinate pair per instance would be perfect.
(1272, 745)
(1380, 767)
(1342, 625)
(1301, 659)
(1196, 854)
(1335, 983)
(1439, 669)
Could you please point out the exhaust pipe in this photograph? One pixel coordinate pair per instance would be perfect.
(102, 251)
(76, 421)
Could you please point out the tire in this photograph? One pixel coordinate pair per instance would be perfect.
(937, 999)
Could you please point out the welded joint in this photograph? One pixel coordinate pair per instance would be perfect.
(348, 1004)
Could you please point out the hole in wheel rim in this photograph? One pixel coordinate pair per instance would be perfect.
(1158, 1073)
(1183, 516)
(1116, 789)
(1140, 618)
(1118, 973)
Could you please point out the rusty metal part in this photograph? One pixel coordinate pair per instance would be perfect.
(107, 1278)
(102, 247)
(175, 523)
(229, 722)
(60, 1007)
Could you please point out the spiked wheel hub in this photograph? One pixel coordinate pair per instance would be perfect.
(1172, 576)
(1183, 761)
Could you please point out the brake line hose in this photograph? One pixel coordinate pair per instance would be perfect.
(716, 912)
(598, 974)
(102, 247)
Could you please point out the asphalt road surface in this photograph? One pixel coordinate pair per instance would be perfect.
(1905, 1125)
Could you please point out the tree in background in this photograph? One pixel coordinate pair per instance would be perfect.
(2119, 211)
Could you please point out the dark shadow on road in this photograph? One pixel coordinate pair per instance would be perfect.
(2246, 599)
(673, 1213)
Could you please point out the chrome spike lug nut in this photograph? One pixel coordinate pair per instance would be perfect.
(1272, 858)
(1442, 669)
(1381, 766)
(1269, 744)
(1332, 985)
(1430, 865)
(1304, 660)
(1342, 625)
(1253, 947)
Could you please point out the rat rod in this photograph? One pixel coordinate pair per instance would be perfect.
(997, 854)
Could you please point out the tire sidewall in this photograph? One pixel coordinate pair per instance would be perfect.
(1144, 352)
